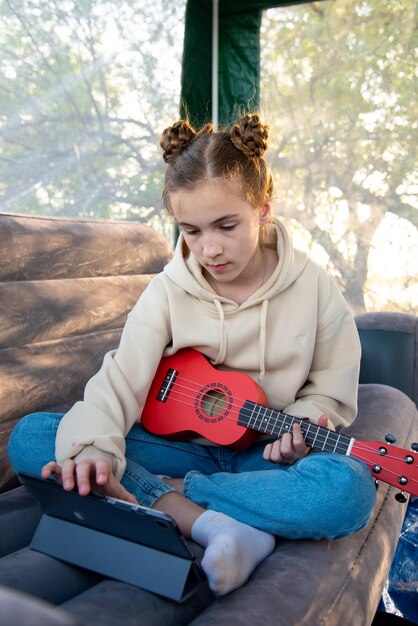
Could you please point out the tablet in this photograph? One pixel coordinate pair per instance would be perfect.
(108, 515)
(124, 541)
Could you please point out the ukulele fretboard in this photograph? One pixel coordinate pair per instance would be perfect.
(276, 423)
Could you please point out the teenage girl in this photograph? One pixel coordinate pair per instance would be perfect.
(238, 292)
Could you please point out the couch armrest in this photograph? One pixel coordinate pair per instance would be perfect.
(390, 350)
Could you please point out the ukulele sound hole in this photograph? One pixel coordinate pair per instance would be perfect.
(213, 402)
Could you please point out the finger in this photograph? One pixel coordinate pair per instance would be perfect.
(276, 453)
(103, 472)
(298, 441)
(267, 452)
(51, 468)
(323, 421)
(119, 491)
(67, 475)
(272, 452)
(83, 473)
(112, 487)
(286, 446)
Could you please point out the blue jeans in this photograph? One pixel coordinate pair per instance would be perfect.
(323, 495)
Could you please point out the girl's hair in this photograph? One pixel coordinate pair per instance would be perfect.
(195, 157)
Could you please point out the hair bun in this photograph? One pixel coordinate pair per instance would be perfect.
(250, 135)
(175, 138)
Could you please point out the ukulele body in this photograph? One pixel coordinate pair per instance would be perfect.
(200, 400)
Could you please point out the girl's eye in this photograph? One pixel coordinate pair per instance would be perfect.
(228, 226)
(191, 232)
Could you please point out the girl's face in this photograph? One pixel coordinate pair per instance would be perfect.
(221, 229)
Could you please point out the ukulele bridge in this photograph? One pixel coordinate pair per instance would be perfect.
(168, 382)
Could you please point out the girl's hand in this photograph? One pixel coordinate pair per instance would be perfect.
(291, 446)
(88, 475)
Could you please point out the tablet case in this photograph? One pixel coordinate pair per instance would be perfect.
(127, 542)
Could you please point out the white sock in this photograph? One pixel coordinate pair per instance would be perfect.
(233, 550)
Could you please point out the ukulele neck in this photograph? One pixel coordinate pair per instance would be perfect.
(277, 423)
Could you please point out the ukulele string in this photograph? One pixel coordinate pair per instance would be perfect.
(365, 447)
(198, 387)
(410, 488)
(236, 410)
(280, 429)
(366, 460)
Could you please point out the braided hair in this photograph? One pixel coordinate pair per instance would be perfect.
(194, 157)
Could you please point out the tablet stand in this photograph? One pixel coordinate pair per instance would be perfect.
(165, 574)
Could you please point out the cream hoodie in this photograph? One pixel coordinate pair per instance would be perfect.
(295, 336)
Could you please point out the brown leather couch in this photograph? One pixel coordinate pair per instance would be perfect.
(65, 289)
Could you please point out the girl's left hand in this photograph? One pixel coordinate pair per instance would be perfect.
(86, 476)
(291, 446)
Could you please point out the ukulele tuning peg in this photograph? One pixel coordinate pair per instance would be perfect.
(400, 497)
(414, 447)
(376, 484)
(390, 438)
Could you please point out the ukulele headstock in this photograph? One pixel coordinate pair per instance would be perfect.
(393, 465)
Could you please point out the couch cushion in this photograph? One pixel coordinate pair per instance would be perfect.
(19, 517)
(20, 609)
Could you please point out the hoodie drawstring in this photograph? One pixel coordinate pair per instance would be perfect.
(222, 344)
(262, 341)
(263, 323)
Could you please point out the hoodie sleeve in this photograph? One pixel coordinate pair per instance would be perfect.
(331, 387)
(114, 398)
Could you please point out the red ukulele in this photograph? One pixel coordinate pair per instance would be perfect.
(189, 397)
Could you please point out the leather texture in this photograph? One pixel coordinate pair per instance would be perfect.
(59, 324)
(66, 287)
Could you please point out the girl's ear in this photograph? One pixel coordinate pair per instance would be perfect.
(265, 213)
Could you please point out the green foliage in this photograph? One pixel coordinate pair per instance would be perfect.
(339, 85)
(86, 87)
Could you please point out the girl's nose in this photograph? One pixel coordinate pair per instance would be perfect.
(211, 249)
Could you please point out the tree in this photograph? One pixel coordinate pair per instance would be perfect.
(340, 78)
(85, 90)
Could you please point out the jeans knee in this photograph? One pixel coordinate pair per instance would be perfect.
(18, 440)
(354, 498)
(32, 442)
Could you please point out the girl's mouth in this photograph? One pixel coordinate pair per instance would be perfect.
(219, 267)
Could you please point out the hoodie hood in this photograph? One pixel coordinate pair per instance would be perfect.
(186, 272)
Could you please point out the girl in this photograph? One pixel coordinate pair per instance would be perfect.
(239, 293)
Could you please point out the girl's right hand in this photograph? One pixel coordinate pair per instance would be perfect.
(88, 475)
